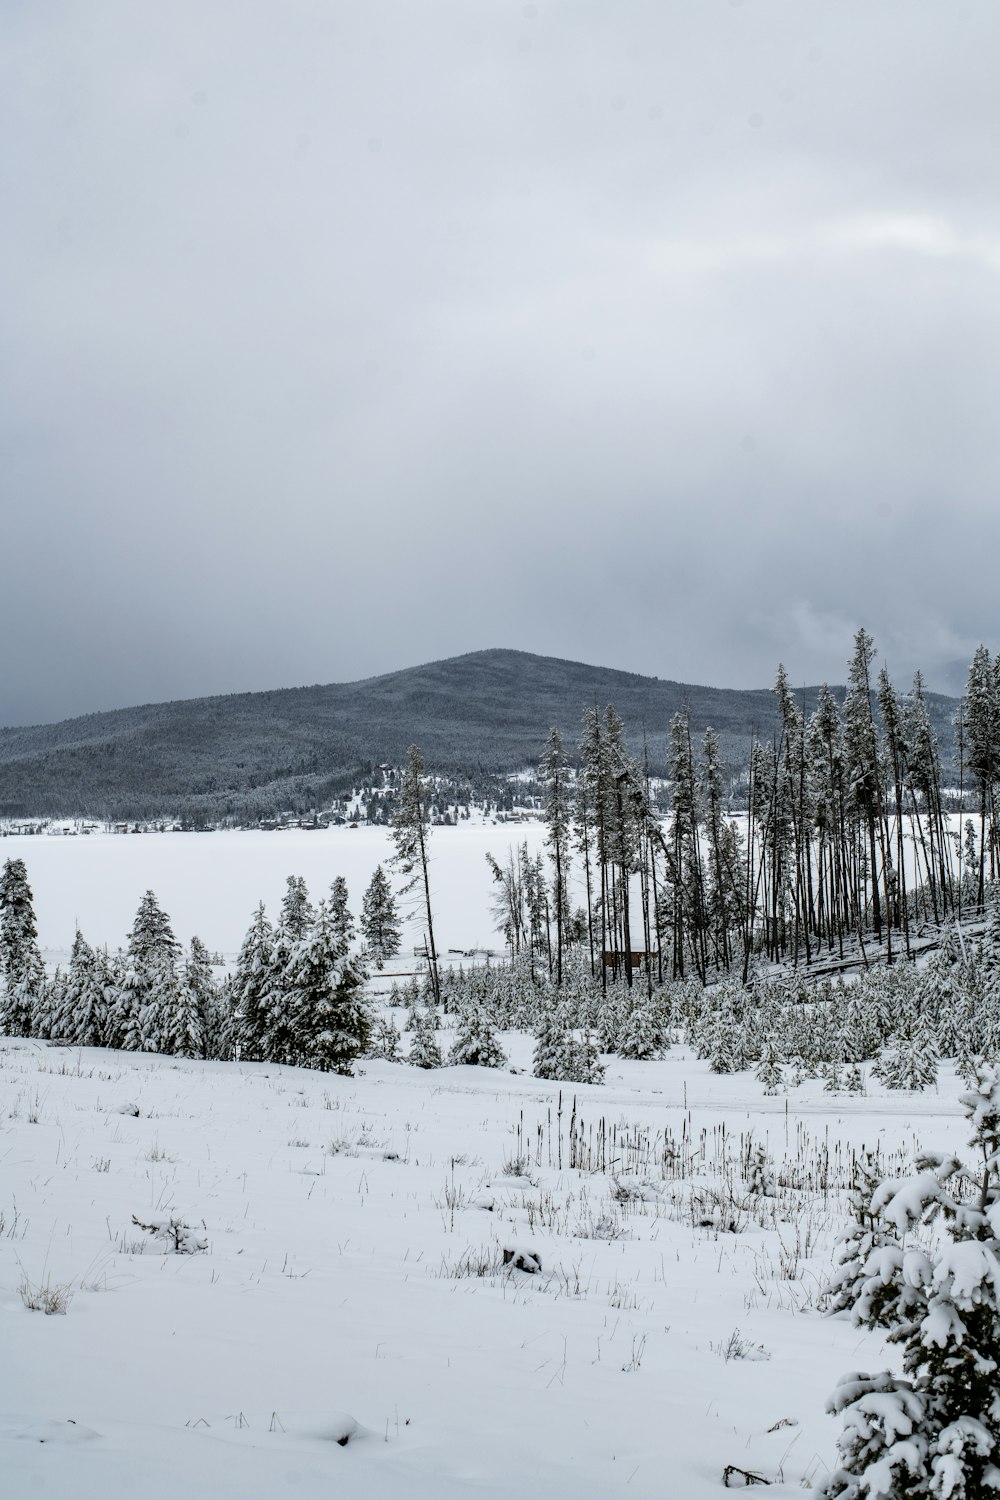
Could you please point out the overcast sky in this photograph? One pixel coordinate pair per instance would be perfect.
(339, 337)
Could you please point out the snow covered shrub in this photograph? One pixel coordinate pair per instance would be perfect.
(760, 1174)
(171, 1233)
(933, 1431)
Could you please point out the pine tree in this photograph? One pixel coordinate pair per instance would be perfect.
(81, 1017)
(933, 1432)
(209, 1003)
(253, 986)
(639, 1036)
(21, 968)
(911, 1062)
(982, 722)
(760, 1174)
(146, 990)
(424, 1050)
(385, 1040)
(476, 1043)
(864, 773)
(411, 835)
(551, 1046)
(341, 920)
(555, 779)
(278, 1020)
(328, 1021)
(769, 1069)
(379, 919)
(583, 1060)
(175, 1014)
(866, 1234)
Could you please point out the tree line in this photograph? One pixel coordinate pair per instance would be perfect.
(846, 845)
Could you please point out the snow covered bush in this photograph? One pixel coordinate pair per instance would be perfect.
(172, 1234)
(934, 1430)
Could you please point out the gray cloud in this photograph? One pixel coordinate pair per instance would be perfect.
(338, 337)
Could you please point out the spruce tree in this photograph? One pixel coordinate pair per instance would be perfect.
(328, 1021)
(341, 920)
(385, 1040)
(476, 1043)
(865, 1234)
(254, 982)
(932, 1432)
(551, 1046)
(380, 920)
(175, 1014)
(200, 982)
(81, 1017)
(21, 968)
(424, 1050)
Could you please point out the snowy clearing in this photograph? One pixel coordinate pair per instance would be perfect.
(354, 1273)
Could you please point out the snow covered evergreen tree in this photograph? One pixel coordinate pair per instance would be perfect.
(424, 1050)
(555, 778)
(385, 1040)
(639, 1036)
(583, 1063)
(328, 1020)
(173, 1014)
(380, 919)
(411, 835)
(768, 1070)
(760, 1174)
(933, 1432)
(475, 1043)
(911, 1061)
(866, 1233)
(80, 1017)
(145, 989)
(253, 983)
(207, 1000)
(551, 1046)
(21, 968)
(341, 920)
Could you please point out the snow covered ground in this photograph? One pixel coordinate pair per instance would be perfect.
(353, 1274)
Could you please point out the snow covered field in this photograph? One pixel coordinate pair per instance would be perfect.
(211, 883)
(353, 1273)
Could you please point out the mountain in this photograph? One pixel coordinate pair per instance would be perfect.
(249, 754)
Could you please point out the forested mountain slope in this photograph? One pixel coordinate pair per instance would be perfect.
(249, 754)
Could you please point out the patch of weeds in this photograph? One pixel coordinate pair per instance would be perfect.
(44, 1297)
(738, 1347)
(477, 1262)
(341, 1145)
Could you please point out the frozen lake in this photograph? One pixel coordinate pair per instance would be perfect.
(210, 883)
